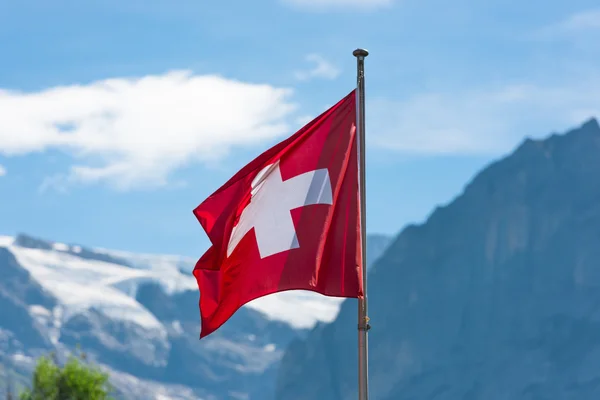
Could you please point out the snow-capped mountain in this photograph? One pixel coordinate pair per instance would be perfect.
(137, 316)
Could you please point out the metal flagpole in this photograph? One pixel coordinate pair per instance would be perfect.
(363, 319)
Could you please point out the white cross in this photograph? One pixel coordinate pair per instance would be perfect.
(271, 201)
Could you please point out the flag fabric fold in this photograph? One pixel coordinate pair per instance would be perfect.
(289, 220)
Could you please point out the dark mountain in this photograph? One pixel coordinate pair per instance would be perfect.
(496, 296)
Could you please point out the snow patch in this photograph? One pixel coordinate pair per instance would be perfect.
(22, 359)
(60, 247)
(40, 311)
(163, 269)
(301, 309)
(270, 348)
(6, 241)
(138, 388)
(56, 324)
(81, 284)
(153, 261)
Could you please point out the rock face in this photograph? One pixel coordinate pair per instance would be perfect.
(495, 297)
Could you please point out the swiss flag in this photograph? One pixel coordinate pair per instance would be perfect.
(288, 220)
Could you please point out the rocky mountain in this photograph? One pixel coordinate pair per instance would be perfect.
(496, 296)
(137, 317)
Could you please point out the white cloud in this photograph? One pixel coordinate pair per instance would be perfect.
(322, 5)
(134, 132)
(490, 121)
(322, 69)
(2, 171)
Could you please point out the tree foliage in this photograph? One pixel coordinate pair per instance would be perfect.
(74, 381)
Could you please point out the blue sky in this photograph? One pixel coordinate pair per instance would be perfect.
(118, 117)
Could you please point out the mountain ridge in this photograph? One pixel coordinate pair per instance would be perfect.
(474, 291)
(137, 317)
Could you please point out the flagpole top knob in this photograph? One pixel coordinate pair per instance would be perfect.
(360, 53)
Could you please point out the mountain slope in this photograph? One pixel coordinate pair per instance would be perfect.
(495, 297)
(137, 316)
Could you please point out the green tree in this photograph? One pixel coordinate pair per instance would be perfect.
(74, 381)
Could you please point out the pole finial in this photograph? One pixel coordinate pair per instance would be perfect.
(360, 53)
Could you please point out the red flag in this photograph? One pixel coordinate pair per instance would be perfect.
(287, 220)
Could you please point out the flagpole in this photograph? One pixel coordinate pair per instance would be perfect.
(363, 319)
